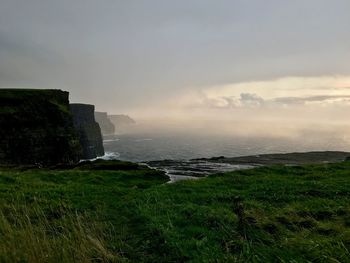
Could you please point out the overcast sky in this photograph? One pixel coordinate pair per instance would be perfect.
(129, 55)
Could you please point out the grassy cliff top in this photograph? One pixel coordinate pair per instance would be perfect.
(23, 93)
(118, 212)
(17, 100)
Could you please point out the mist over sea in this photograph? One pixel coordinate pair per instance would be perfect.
(147, 147)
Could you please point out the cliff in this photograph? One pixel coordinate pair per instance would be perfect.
(36, 128)
(120, 120)
(88, 129)
(107, 127)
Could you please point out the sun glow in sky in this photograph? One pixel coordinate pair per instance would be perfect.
(326, 87)
(283, 92)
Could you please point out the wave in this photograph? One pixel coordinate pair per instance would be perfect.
(142, 140)
(108, 157)
(111, 140)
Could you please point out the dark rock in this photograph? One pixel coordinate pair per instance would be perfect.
(108, 165)
(36, 128)
(107, 127)
(296, 158)
(88, 129)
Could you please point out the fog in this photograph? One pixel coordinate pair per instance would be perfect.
(238, 67)
(241, 128)
(286, 108)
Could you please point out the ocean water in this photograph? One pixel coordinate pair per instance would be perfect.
(180, 150)
(145, 147)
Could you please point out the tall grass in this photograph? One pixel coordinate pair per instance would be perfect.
(30, 234)
(267, 214)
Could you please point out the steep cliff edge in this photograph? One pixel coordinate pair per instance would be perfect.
(36, 128)
(121, 119)
(88, 129)
(123, 123)
(107, 127)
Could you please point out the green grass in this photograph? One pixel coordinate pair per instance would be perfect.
(120, 212)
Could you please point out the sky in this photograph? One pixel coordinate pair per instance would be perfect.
(260, 60)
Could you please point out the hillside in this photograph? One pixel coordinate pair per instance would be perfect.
(122, 212)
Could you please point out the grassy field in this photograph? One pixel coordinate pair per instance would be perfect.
(120, 212)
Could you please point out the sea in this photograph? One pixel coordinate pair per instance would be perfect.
(145, 147)
(180, 150)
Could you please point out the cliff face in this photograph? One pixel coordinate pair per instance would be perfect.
(119, 120)
(88, 129)
(36, 128)
(107, 127)
(123, 123)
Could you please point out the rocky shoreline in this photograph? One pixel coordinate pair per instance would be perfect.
(178, 170)
(295, 158)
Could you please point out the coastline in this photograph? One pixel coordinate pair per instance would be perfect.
(293, 158)
(178, 170)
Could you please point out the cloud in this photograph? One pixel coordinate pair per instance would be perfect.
(130, 54)
(310, 99)
(251, 100)
(227, 102)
